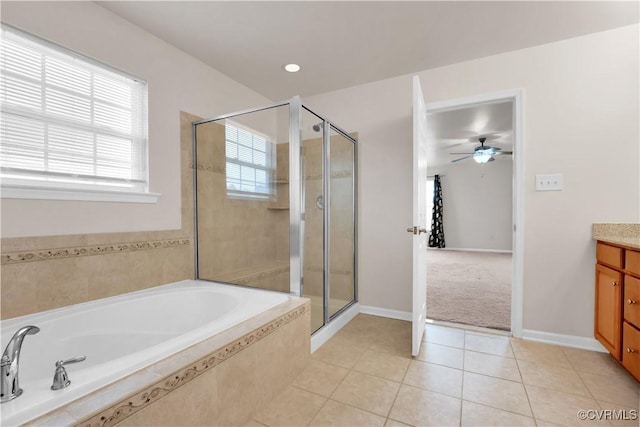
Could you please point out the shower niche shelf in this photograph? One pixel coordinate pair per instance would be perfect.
(275, 206)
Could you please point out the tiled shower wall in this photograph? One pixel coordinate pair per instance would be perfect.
(43, 273)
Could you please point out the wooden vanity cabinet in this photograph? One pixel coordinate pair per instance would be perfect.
(617, 311)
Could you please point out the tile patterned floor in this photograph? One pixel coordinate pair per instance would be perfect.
(365, 376)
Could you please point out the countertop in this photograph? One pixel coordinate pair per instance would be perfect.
(618, 234)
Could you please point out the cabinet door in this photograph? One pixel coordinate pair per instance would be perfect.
(608, 315)
(631, 350)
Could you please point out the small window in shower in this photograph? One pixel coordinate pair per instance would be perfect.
(249, 163)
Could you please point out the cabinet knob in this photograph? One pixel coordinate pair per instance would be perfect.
(615, 283)
(631, 301)
(630, 350)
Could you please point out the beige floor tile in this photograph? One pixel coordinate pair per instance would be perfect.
(254, 423)
(437, 378)
(474, 414)
(554, 377)
(382, 365)
(544, 423)
(592, 361)
(320, 377)
(621, 389)
(292, 407)
(396, 341)
(340, 352)
(560, 408)
(366, 392)
(355, 336)
(620, 415)
(496, 345)
(540, 352)
(441, 355)
(493, 366)
(338, 414)
(394, 423)
(418, 407)
(495, 392)
(444, 336)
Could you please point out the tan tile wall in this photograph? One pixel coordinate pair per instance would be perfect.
(42, 273)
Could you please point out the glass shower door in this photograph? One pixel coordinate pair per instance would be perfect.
(342, 222)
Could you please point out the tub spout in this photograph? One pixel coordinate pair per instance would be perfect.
(10, 364)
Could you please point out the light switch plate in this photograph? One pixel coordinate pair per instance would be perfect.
(552, 182)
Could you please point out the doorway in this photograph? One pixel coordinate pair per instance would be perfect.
(475, 149)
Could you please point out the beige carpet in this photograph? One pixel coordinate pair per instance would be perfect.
(473, 288)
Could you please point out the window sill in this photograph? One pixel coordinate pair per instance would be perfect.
(89, 195)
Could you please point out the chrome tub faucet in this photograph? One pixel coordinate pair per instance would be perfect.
(10, 364)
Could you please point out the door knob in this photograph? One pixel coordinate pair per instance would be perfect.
(416, 230)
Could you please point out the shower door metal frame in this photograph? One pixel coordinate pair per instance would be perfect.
(296, 191)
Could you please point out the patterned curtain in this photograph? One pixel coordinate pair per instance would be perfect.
(436, 238)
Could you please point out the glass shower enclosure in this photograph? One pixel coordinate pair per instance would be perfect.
(275, 204)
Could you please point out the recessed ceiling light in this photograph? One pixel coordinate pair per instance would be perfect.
(292, 68)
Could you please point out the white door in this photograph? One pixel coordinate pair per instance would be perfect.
(419, 216)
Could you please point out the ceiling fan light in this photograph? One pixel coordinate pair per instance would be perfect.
(482, 156)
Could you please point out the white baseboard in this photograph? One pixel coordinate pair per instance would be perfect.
(563, 340)
(325, 333)
(385, 312)
(499, 251)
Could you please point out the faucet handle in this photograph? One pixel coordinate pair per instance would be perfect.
(69, 361)
(60, 378)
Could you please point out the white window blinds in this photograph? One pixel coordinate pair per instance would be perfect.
(249, 162)
(68, 121)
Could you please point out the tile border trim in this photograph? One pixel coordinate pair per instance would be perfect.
(80, 251)
(140, 400)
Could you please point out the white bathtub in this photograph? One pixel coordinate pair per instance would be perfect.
(120, 335)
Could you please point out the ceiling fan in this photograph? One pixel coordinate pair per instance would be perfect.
(482, 153)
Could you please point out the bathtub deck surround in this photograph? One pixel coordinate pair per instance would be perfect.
(221, 378)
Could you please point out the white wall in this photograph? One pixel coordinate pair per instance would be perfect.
(477, 204)
(580, 119)
(177, 82)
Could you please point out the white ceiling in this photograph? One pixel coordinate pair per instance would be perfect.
(458, 131)
(341, 43)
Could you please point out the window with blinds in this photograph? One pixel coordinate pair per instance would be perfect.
(249, 162)
(68, 121)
